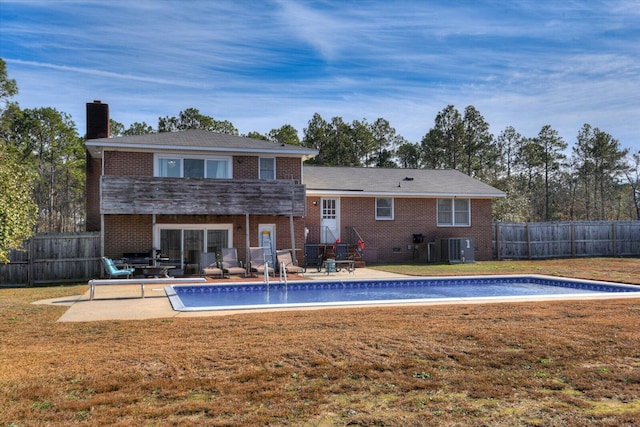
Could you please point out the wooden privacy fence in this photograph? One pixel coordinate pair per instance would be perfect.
(54, 258)
(566, 239)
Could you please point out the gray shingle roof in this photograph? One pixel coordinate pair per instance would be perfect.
(394, 182)
(199, 140)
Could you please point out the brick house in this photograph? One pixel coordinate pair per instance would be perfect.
(184, 193)
(194, 191)
(385, 208)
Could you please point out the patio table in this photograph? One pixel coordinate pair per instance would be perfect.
(157, 271)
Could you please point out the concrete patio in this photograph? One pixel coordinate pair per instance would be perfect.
(116, 302)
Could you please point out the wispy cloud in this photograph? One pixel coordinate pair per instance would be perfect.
(100, 73)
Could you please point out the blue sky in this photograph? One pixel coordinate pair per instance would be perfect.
(263, 64)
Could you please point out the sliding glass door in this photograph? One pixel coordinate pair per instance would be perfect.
(182, 244)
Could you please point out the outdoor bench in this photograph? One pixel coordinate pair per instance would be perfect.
(159, 281)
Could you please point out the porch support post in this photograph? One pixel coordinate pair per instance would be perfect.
(247, 243)
(293, 237)
(291, 226)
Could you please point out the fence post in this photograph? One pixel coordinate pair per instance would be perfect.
(528, 241)
(613, 239)
(498, 254)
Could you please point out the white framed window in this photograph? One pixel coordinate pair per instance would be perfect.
(454, 212)
(384, 208)
(193, 167)
(169, 167)
(267, 168)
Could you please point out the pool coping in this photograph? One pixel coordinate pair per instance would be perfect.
(119, 303)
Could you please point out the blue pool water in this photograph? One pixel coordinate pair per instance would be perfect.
(380, 291)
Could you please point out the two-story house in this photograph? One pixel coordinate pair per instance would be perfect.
(184, 193)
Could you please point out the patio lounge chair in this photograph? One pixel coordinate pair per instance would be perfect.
(209, 264)
(114, 272)
(285, 260)
(230, 264)
(259, 259)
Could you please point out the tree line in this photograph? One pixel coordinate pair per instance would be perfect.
(543, 179)
(42, 162)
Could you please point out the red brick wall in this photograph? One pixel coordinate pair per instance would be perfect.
(120, 163)
(127, 233)
(247, 167)
(288, 168)
(411, 216)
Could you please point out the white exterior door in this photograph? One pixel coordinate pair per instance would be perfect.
(330, 221)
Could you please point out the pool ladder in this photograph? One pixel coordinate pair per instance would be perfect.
(283, 275)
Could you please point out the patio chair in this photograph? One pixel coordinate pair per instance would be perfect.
(313, 256)
(285, 260)
(114, 272)
(230, 264)
(259, 258)
(209, 265)
(341, 251)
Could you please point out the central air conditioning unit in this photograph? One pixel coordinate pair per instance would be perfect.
(455, 250)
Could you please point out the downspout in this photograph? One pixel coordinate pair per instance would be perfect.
(101, 212)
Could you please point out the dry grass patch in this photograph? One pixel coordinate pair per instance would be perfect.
(530, 364)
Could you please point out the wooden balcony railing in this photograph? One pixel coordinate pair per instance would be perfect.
(196, 196)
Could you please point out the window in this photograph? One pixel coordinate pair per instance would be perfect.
(218, 169)
(179, 167)
(329, 210)
(454, 212)
(170, 168)
(384, 208)
(267, 168)
(193, 168)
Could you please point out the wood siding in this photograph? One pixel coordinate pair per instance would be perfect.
(193, 196)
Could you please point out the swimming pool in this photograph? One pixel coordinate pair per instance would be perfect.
(379, 291)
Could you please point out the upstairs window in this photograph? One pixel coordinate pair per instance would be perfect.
(384, 208)
(187, 167)
(454, 212)
(267, 168)
(193, 168)
(171, 168)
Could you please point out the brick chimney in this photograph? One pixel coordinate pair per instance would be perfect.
(97, 120)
